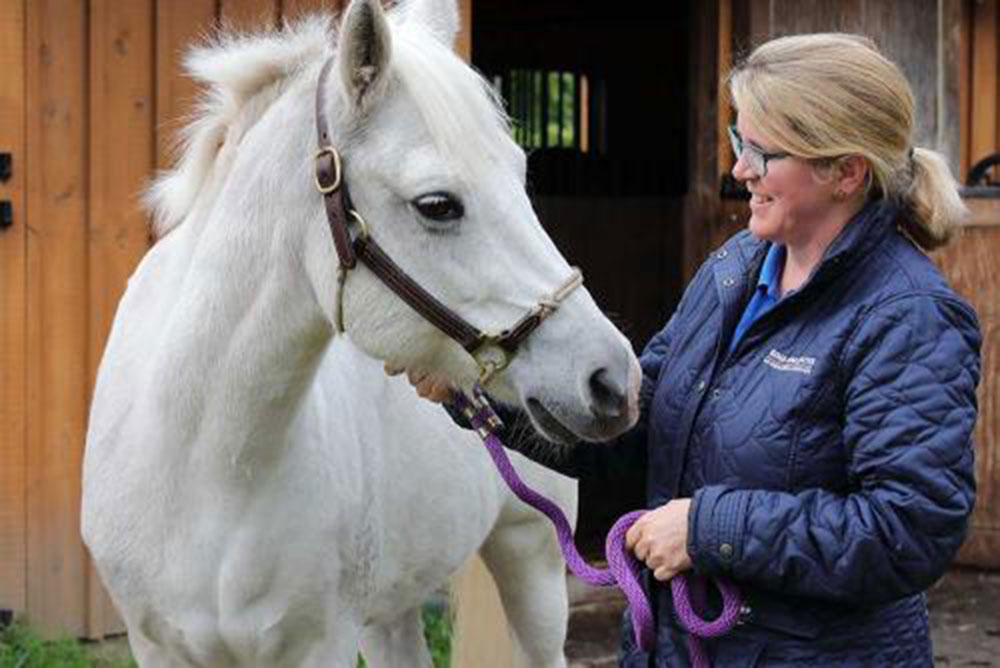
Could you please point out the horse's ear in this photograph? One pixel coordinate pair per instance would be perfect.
(438, 17)
(364, 51)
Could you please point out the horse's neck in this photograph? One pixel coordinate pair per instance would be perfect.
(246, 332)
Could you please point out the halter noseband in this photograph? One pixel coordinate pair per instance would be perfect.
(492, 352)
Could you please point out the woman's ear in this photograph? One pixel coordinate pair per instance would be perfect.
(851, 175)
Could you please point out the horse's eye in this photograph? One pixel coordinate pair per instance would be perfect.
(439, 206)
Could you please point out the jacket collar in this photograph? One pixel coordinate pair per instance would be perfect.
(864, 232)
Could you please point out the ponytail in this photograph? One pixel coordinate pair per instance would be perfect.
(929, 196)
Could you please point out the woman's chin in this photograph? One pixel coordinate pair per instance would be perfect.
(761, 228)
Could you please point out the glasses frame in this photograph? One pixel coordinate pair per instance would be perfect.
(756, 159)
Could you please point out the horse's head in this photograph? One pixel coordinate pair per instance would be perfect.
(432, 168)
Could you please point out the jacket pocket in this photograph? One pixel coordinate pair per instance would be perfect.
(784, 617)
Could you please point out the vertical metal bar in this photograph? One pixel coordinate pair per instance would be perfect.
(577, 113)
(546, 103)
(562, 111)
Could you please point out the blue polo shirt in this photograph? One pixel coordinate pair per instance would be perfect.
(767, 293)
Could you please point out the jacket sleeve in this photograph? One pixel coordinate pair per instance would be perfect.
(601, 462)
(912, 367)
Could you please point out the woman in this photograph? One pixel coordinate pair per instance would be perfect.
(808, 410)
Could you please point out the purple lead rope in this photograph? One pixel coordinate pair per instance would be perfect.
(624, 570)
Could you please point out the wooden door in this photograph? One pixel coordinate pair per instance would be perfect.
(970, 263)
(13, 310)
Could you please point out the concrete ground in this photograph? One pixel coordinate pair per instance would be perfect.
(964, 606)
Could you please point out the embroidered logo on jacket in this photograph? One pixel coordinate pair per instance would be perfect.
(781, 362)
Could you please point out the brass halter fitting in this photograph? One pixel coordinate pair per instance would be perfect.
(337, 171)
(491, 359)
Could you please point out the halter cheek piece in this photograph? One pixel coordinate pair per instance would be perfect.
(492, 352)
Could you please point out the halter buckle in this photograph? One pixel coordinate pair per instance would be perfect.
(337, 172)
(491, 358)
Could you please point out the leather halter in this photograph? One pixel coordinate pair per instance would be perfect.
(492, 352)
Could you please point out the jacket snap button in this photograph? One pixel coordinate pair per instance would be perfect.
(729, 282)
(716, 393)
(726, 551)
(722, 254)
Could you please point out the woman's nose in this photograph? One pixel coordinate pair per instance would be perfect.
(741, 171)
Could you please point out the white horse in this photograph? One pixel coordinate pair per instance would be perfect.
(256, 491)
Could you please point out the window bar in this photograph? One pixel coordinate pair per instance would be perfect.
(575, 139)
(546, 103)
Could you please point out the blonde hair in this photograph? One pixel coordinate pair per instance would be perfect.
(826, 95)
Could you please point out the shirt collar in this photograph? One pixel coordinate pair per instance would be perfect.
(770, 271)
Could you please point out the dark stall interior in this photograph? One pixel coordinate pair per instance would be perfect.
(599, 100)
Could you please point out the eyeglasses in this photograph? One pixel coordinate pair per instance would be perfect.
(756, 159)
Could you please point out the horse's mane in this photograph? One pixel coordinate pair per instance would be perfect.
(235, 69)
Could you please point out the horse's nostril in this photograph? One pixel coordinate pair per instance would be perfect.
(608, 394)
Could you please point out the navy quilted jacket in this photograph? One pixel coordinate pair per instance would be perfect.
(829, 455)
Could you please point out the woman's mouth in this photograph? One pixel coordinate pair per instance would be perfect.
(758, 200)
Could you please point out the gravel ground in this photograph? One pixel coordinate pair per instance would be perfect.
(965, 622)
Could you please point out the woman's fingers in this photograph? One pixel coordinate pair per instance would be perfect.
(659, 539)
(427, 385)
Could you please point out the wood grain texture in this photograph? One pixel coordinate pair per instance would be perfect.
(702, 204)
(122, 157)
(295, 9)
(949, 103)
(13, 313)
(984, 136)
(178, 26)
(57, 319)
(463, 43)
(970, 265)
(249, 15)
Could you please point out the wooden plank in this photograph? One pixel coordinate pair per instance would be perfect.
(122, 157)
(478, 644)
(970, 265)
(179, 24)
(724, 153)
(983, 213)
(788, 17)
(463, 44)
(903, 33)
(296, 9)
(13, 313)
(950, 104)
(57, 311)
(964, 88)
(248, 15)
(984, 134)
(701, 204)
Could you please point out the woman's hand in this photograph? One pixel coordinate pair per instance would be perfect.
(428, 385)
(659, 539)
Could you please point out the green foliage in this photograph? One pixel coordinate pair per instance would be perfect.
(20, 647)
(437, 630)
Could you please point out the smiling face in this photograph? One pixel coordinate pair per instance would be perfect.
(793, 203)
